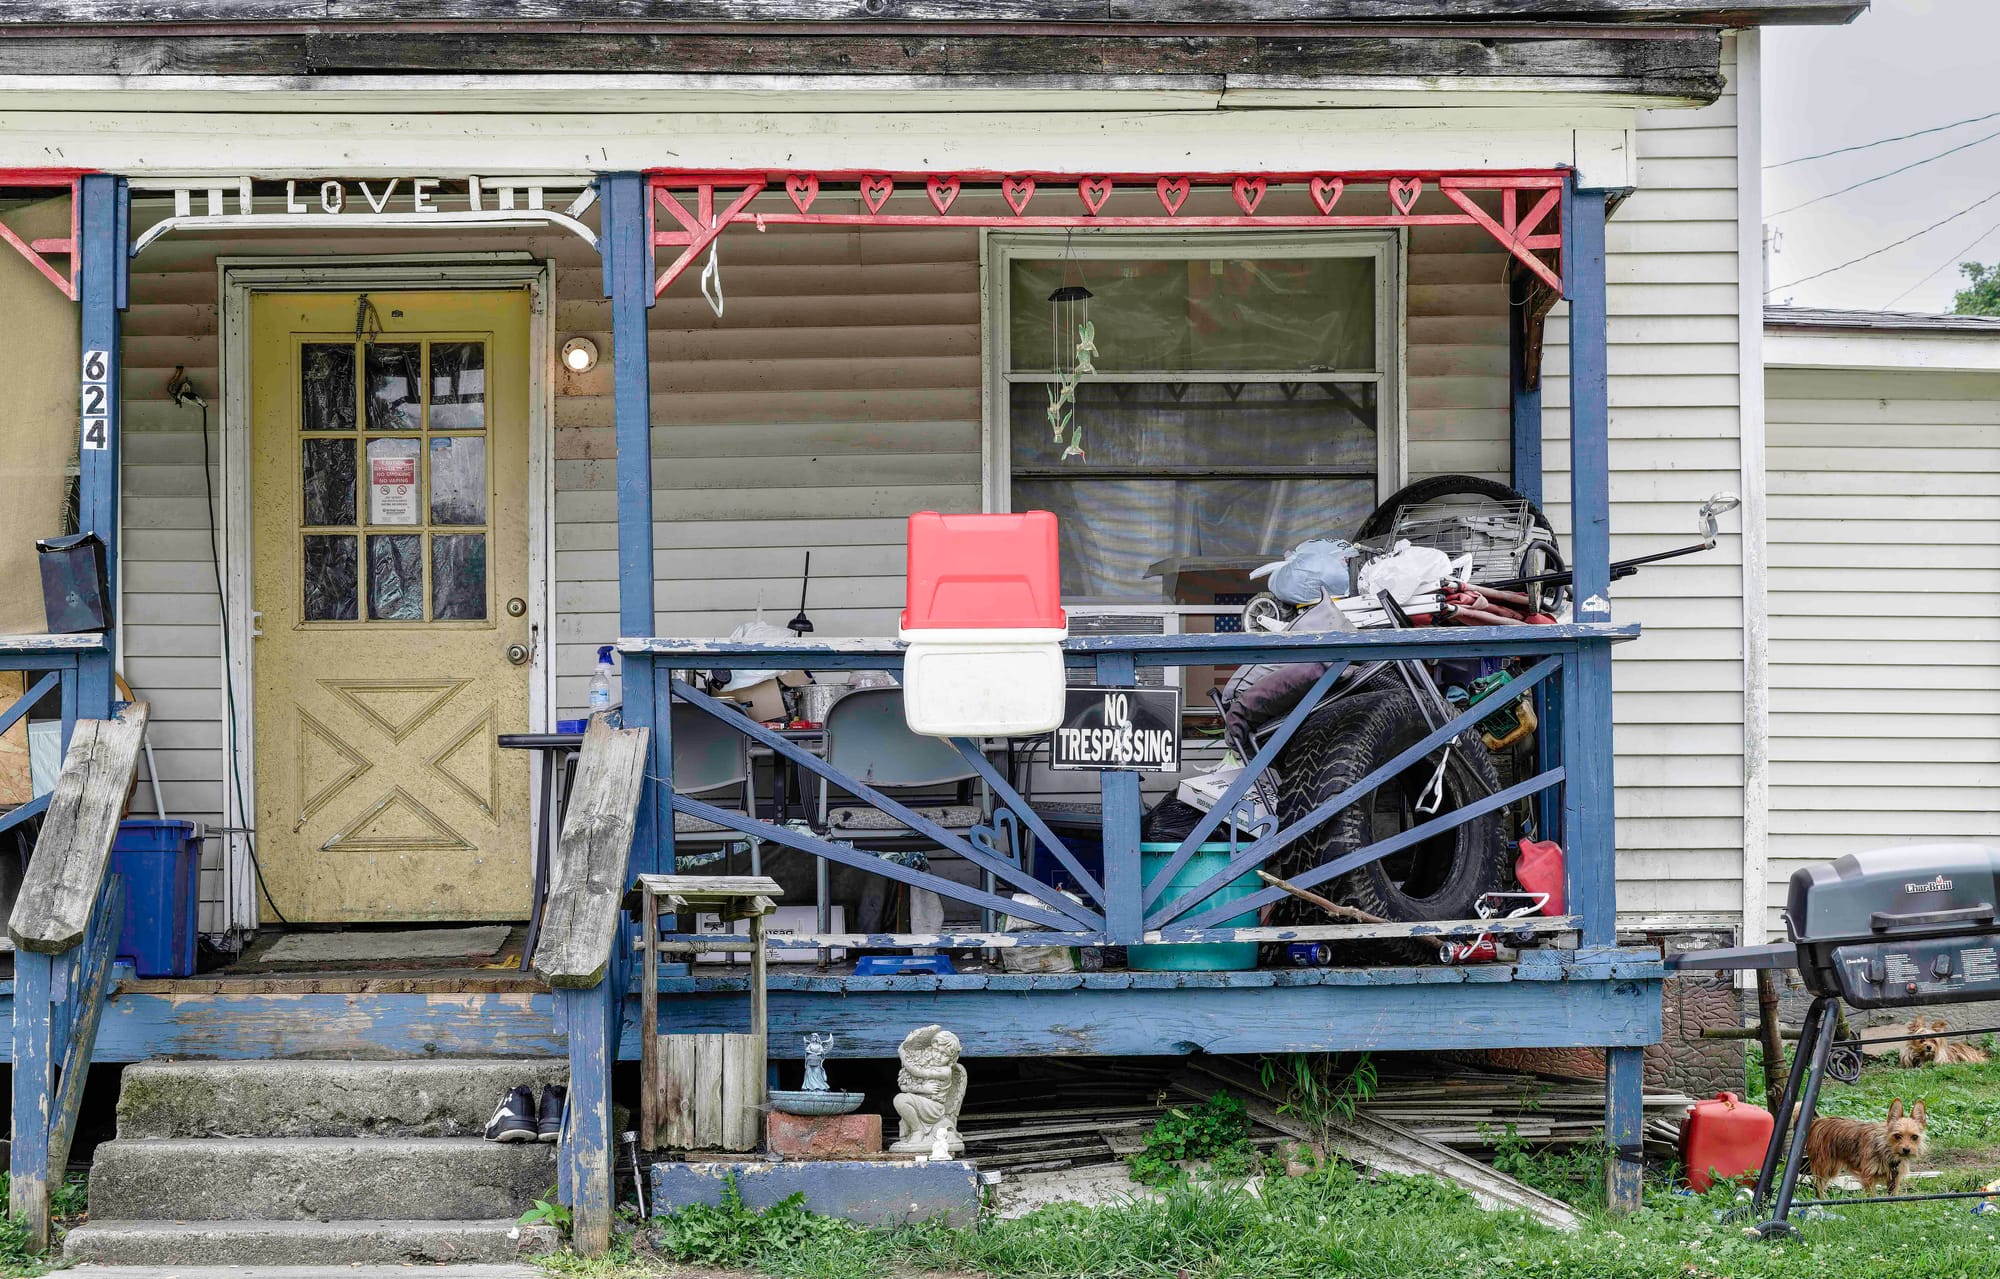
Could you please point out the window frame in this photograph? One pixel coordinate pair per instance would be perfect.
(1387, 247)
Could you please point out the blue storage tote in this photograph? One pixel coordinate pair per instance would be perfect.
(1200, 957)
(161, 865)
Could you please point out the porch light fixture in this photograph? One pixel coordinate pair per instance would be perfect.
(579, 355)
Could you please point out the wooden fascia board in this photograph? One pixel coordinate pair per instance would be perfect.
(888, 14)
(1682, 65)
(1903, 351)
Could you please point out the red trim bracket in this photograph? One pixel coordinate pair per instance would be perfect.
(35, 250)
(1085, 196)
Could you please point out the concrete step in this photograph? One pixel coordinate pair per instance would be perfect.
(304, 1243)
(317, 1178)
(450, 1097)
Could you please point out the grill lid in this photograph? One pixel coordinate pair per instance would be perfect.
(1925, 889)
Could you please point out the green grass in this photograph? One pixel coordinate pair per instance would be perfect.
(67, 1203)
(1332, 1223)
(1963, 1102)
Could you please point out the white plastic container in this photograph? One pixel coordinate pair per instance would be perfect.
(983, 683)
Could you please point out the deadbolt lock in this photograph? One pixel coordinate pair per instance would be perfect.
(516, 606)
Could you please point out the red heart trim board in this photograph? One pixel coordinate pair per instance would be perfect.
(1249, 192)
(1404, 191)
(1095, 191)
(1326, 193)
(1173, 193)
(875, 192)
(1017, 191)
(803, 188)
(942, 192)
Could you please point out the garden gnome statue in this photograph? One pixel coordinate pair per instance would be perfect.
(816, 1050)
(931, 1088)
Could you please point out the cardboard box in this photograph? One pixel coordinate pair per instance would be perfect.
(766, 700)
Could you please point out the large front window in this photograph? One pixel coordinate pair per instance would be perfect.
(1241, 399)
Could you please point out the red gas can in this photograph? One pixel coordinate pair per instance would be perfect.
(1723, 1140)
(1540, 870)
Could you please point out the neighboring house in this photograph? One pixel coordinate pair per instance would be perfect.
(1395, 250)
(1882, 439)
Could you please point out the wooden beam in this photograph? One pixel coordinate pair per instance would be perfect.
(892, 13)
(1683, 65)
(67, 871)
(587, 880)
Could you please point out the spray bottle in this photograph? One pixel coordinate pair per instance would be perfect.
(600, 683)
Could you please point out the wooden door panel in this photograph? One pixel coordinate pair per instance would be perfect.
(389, 473)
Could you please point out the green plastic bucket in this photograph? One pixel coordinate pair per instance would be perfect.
(1198, 957)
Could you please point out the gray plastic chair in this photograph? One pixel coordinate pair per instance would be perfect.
(868, 739)
(710, 757)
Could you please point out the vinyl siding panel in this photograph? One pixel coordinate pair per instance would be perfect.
(1671, 273)
(1885, 611)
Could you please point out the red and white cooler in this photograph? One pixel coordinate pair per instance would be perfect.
(985, 625)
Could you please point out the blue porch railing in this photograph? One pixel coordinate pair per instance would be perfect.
(52, 664)
(1123, 906)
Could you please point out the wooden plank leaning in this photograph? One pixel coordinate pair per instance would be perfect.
(53, 914)
(74, 848)
(587, 881)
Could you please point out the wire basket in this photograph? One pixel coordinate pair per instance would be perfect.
(1493, 532)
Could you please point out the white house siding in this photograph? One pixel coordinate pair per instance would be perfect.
(1674, 320)
(1885, 611)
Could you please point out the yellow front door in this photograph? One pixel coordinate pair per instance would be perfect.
(389, 443)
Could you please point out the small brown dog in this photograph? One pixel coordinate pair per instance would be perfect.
(1933, 1049)
(1878, 1155)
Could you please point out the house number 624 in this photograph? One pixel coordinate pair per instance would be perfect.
(96, 395)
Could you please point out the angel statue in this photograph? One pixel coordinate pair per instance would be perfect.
(930, 1089)
(817, 1047)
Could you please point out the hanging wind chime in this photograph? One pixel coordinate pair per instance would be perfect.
(1072, 353)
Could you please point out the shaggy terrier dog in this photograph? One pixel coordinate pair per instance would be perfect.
(1876, 1155)
(1933, 1049)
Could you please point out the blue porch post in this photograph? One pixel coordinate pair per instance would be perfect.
(1524, 400)
(1589, 796)
(101, 293)
(101, 280)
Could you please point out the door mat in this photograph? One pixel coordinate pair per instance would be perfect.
(402, 948)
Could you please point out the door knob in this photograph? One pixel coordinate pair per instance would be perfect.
(517, 654)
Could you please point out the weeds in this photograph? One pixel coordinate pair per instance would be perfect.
(67, 1202)
(1218, 1131)
(1316, 1089)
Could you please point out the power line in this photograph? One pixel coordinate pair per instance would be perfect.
(1876, 253)
(1956, 257)
(1855, 186)
(1880, 142)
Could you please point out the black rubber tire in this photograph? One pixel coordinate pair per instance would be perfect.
(1441, 486)
(1440, 878)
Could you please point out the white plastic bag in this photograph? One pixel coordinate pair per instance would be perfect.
(1406, 572)
(1313, 569)
(758, 632)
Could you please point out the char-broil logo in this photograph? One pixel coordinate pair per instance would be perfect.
(1938, 885)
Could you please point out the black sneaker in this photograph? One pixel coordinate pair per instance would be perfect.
(549, 1119)
(515, 1119)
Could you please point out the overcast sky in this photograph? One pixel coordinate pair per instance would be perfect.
(1904, 66)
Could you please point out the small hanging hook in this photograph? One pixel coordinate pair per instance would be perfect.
(711, 279)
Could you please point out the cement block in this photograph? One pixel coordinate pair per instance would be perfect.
(317, 1178)
(869, 1192)
(823, 1136)
(449, 1097)
(302, 1243)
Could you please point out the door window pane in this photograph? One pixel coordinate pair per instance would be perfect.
(395, 386)
(458, 576)
(458, 479)
(458, 386)
(330, 577)
(395, 489)
(326, 387)
(327, 474)
(395, 577)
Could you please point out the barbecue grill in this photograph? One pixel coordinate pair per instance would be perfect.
(1893, 928)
